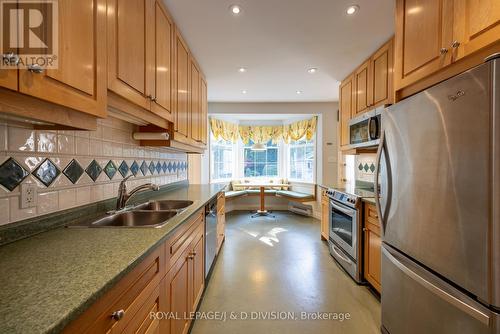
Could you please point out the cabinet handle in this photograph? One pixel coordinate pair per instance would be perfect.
(154, 99)
(35, 68)
(11, 59)
(455, 44)
(443, 51)
(190, 257)
(364, 229)
(118, 315)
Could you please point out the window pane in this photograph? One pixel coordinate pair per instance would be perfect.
(302, 156)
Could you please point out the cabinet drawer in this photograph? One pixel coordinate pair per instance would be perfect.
(127, 297)
(182, 238)
(371, 215)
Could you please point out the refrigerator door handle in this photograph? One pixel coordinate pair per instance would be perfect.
(438, 291)
(382, 212)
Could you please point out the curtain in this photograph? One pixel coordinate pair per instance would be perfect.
(262, 134)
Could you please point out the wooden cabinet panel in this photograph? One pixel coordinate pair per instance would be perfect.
(8, 79)
(381, 89)
(325, 216)
(180, 288)
(204, 112)
(79, 80)
(346, 108)
(372, 247)
(130, 50)
(142, 322)
(424, 31)
(198, 268)
(164, 29)
(195, 112)
(361, 77)
(181, 124)
(476, 25)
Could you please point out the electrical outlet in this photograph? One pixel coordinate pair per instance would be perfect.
(28, 195)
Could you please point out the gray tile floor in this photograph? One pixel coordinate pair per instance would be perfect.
(280, 265)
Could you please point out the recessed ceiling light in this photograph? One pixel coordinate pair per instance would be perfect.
(312, 70)
(235, 9)
(299, 92)
(244, 92)
(242, 70)
(352, 9)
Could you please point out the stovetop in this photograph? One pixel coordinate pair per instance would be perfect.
(350, 195)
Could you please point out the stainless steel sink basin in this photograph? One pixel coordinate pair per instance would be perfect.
(135, 219)
(164, 205)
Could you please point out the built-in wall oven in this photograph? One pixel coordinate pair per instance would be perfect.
(344, 232)
(365, 130)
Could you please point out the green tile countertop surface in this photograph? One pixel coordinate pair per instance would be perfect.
(48, 280)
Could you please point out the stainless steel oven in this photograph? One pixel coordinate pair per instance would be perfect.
(344, 230)
(365, 130)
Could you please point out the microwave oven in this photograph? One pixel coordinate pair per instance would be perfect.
(365, 130)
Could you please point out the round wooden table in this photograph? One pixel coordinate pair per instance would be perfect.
(262, 187)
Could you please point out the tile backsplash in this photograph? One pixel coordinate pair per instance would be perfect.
(74, 168)
(360, 168)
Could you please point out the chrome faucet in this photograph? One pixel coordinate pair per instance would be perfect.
(123, 196)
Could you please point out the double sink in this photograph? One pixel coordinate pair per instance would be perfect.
(153, 214)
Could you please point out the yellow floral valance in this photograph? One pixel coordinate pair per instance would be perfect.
(262, 134)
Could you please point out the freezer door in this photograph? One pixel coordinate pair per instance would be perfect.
(436, 179)
(414, 301)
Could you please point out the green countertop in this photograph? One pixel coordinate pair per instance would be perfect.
(49, 279)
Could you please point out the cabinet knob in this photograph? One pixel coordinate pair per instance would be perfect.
(443, 51)
(364, 229)
(455, 44)
(10, 59)
(118, 315)
(190, 257)
(35, 68)
(154, 99)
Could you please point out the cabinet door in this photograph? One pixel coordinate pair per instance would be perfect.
(476, 25)
(8, 78)
(198, 269)
(204, 112)
(424, 31)
(131, 50)
(195, 103)
(181, 124)
(381, 76)
(142, 322)
(325, 215)
(346, 108)
(164, 29)
(362, 87)
(79, 80)
(179, 286)
(373, 244)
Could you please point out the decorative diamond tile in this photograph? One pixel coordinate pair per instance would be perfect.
(134, 168)
(372, 168)
(152, 167)
(123, 169)
(170, 167)
(144, 168)
(185, 165)
(158, 167)
(164, 167)
(73, 171)
(360, 167)
(12, 174)
(94, 170)
(47, 172)
(366, 168)
(175, 167)
(110, 169)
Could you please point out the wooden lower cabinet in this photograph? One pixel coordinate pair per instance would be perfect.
(156, 285)
(221, 221)
(372, 246)
(325, 215)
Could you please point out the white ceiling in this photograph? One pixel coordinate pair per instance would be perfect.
(278, 40)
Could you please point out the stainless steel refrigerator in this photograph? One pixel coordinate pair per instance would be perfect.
(439, 175)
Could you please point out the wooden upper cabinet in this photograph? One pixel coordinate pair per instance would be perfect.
(204, 112)
(424, 31)
(362, 80)
(346, 108)
(195, 110)
(182, 70)
(130, 50)
(476, 25)
(8, 79)
(79, 80)
(164, 29)
(381, 89)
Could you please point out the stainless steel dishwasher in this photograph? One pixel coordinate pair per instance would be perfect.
(210, 234)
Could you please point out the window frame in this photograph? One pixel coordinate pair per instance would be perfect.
(212, 160)
(313, 143)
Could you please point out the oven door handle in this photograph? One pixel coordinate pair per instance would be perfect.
(343, 209)
(338, 252)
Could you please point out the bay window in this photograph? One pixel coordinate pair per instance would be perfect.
(260, 163)
(301, 160)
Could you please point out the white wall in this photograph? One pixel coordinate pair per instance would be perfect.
(327, 131)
